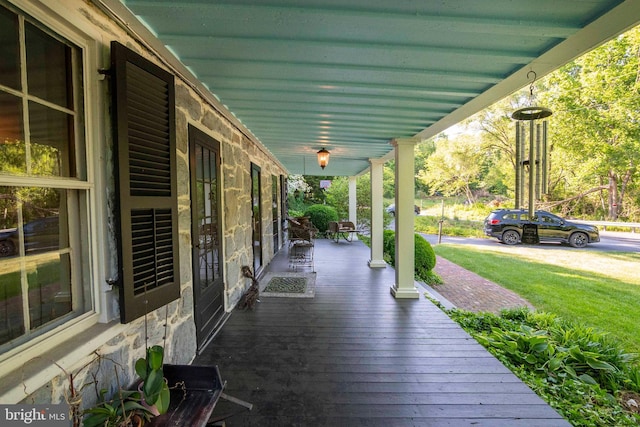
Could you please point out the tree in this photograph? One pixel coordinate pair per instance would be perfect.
(338, 196)
(596, 121)
(454, 167)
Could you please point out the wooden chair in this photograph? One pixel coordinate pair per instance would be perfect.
(300, 230)
(344, 229)
(301, 243)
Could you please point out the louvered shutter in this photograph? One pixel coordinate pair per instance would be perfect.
(145, 153)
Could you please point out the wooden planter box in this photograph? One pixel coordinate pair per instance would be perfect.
(194, 405)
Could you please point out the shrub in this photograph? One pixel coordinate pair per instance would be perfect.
(425, 257)
(321, 215)
(294, 213)
(389, 246)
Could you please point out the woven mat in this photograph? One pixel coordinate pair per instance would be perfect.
(288, 285)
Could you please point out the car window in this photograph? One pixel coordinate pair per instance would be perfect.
(511, 216)
(550, 220)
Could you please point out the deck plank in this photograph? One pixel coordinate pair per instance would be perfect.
(355, 356)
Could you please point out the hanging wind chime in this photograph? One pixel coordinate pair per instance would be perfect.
(531, 151)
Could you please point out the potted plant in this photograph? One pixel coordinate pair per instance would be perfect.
(154, 387)
(123, 410)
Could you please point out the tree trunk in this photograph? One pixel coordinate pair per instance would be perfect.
(613, 196)
(623, 188)
(584, 193)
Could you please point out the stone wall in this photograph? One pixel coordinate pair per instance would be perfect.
(111, 364)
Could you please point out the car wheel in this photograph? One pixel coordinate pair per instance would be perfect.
(578, 240)
(510, 237)
(6, 248)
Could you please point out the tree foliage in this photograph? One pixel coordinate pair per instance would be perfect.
(596, 124)
(594, 137)
(454, 167)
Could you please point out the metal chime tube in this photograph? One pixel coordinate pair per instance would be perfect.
(518, 195)
(545, 157)
(523, 156)
(532, 162)
(538, 182)
(536, 153)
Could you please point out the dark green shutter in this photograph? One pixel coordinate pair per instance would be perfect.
(145, 154)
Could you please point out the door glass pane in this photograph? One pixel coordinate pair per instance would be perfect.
(12, 147)
(9, 50)
(257, 218)
(51, 142)
(206, 204)
(48, 70)
(206, 158)
(199, 167)
(274, 212)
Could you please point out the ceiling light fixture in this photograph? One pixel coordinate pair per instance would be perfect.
(323, 158)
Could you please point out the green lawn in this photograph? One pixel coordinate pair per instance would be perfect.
(600, 289)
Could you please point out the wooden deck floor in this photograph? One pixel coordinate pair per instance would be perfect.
(355, 356)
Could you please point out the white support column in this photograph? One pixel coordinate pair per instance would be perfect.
(353, 200)
(377, 221)
(405, 230)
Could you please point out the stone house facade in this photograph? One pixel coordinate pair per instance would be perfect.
(82, 333)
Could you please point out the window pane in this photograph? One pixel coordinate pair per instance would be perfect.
(51, 141)
(8, 223)
(37, 258)
(12, 147)
(40, 210)
(48, 67)
(11, 315)
(9, 50)
(49, 288)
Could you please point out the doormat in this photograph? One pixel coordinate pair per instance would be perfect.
(288, 285)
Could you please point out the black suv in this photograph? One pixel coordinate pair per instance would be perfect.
(507, 225)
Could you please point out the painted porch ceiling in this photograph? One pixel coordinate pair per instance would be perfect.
(351, 75)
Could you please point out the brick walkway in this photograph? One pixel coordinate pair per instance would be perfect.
(468, 291)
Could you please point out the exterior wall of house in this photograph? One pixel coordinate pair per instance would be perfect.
(102, 352)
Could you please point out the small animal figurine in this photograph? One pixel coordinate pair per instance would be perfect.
(253, 293)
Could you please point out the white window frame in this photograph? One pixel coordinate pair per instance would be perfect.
(28, 359)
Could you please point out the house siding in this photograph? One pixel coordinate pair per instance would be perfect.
(110, 364)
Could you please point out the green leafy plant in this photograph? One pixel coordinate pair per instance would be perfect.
(425, 257)
(123, 410)
(321, 215)
(583, 373)
(154, 386)
(294, 213)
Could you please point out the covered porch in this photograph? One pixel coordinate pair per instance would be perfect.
(353, 355)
